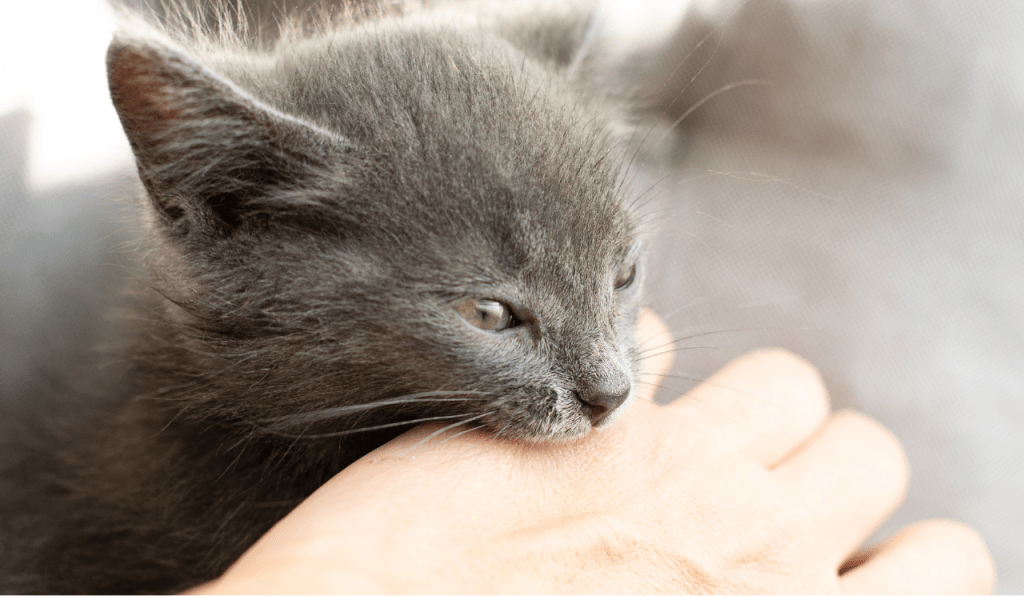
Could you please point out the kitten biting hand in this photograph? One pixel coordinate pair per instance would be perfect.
(369, 226)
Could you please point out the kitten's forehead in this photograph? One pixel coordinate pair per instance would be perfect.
(466, 159)
(462, 140)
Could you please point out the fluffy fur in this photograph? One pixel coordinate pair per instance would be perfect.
(315, 212)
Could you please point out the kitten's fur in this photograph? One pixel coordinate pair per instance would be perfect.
(315, 213)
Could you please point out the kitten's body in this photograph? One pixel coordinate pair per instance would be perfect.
(316, 215)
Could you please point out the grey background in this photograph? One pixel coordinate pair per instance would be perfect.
(862, 208)
(865, 210)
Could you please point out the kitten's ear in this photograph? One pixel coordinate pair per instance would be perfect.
(207, 151)
(556, 33)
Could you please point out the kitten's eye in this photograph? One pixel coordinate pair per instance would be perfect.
(625, 279)
(488, 315)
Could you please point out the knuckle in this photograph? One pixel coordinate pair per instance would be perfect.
(971, 552)
(786, 388)
(877, 442)
(807, 392)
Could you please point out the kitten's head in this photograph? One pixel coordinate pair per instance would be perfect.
(383, 224)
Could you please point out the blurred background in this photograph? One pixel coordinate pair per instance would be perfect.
(846, 180)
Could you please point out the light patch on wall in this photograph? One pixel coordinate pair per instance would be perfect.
(54, 64)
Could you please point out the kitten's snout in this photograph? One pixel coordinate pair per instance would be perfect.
(600, 398)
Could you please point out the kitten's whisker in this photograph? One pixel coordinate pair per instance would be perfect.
(720, 28)
(633, 203)
(332, 413)
(744, 176)
(589, 37)
(707, 98)
(717, 27)
(664, 345)
(462, 432)
(718, 43)
(636, 152)
(724, 223)
(692, 399)
(427, 396)
(659, 387)
(500, 433)
(691, 304)
(443, 429)
(704, 381)
(725, 265)
(738, 330)
(641, 219)
(359, 430)
(672, 351)
(760, 177)
(199, 379)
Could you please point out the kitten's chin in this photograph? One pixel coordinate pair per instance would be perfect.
(547, 433)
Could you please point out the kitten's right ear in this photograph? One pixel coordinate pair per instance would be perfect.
(555, 33)
(207, 151)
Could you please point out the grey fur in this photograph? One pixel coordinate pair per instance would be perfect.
(314, 212)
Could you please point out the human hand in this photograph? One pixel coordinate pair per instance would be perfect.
(746, 484)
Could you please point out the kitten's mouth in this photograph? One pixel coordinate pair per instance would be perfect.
(563, 416)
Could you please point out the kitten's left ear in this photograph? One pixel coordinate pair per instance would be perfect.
(206, 150)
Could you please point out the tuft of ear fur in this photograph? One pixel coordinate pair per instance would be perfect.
(206, 150)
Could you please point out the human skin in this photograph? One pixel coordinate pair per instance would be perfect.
(746, 484)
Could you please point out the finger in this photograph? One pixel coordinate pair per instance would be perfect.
(846, 481)
(933, 557)
(652, 332)
(764, 404)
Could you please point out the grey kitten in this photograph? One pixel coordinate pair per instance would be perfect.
(398, 220)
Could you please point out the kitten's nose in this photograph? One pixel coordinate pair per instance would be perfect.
(602, 397)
